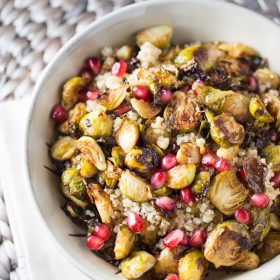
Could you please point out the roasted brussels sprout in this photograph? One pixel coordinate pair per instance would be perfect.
(192, 266)
(274, 222)
(92, 152)
(225, 131)
(182, 112)
(134, 187)
(226, 244)
(118, 156)
(63, 149)
(125, 52)
(188, 153)
(226, 192)
(259, 111)
(266, 79)
(180, 176)
(159, 36)
(163, 191)
(137, 264)
(270, 248)
(124, 243)
(145, 109)
(272, 154)
(88, 169)
(127, 135)
(166, 263)
(142, 159)
(228, 153)
(248, 261)
(70, 91)
(201, 182)
(273, 106)
(186, 54)
(112, 175)
(102, 202)
(237, 50)
(96, 125)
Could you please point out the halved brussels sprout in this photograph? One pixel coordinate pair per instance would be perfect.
(124, 243)
(114, 97)
(145, 109)
(137, 264)
(134, 187)
(63, 149)
(274, 222)
(127, 135)
(159, 36)
(92, 152)
(272, 154)
(142, 159)
(96, 125)
(188, 153)
(226, 244)
(193, 266)
(180, 176)
(259, 111)
(237, 50)
(166, 263)
(112, 175)
(226, 192)
(88, 169)
(225, 131)
(118, 156)
(163, 191)
(182, 112)
(125, 52)
(70, 93)
(201, 182)
(270, 248)
(248, 261)
(228, 153)
(102, 202)
(267, 79)
(272, 103)
(186, 54)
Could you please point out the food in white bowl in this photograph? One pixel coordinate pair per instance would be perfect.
(169, 156)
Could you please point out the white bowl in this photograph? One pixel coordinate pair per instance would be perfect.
(193, 20)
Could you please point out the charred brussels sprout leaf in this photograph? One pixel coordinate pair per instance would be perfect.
(118, 156)
(259, 111)
(273, 106)
(112, 175)
(63, 149)
(186, 55)
(145, 109)
(272, 154)
(248, 261)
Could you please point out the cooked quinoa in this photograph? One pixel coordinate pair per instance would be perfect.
(169, 156)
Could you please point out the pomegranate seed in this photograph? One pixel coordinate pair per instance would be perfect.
(158, 179)
(185, 241)
(94, 64)
(187, 196)
(242, 216)
(274, 137)
(171, 276)
(259, 200)
(86, 74)
(165, 203)
(135, 222)
(58, 114)
(252, 84)
(119, 68)
(94, 243)
(168, 162)
(222, 165)
(102, 231)
(276, 180)
(172, 239)
(141, 92)
(198, 238)
(209, 159)
(122, 109)
(242, 175)
(165, 95)
(185, 88)
(92, 94)
(199, 83)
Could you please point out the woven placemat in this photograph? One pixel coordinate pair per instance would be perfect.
(31, 32)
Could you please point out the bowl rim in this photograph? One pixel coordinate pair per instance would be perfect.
(62, 52)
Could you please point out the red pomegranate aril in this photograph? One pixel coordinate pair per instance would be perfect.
(135, 222)
(92, 94)
(58, 114)
(94, 64)
(165, 95)
(158, 179)
(102, 231)
(198, 238)
(276, 180)
(242, 216)
(187, 196)
(241, 174)
(141, 92)
(165, 203)
(119, 68)
(259, 200)
(274, 137)
(168, 162)
(171, 276)
(252, 84)
(199, 83)
(185, 241)
(87, 74)
(209, 159)
(122, 109)
(94, 243)
(222, 165)
(173, 239)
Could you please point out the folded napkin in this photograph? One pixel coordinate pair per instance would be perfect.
(38, 257)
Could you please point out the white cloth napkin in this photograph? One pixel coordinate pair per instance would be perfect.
(38, 257)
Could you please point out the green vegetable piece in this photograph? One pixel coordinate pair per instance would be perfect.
(186, 55)
(63, 149)
(259, 111)
(272, 154)
(202, 181)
